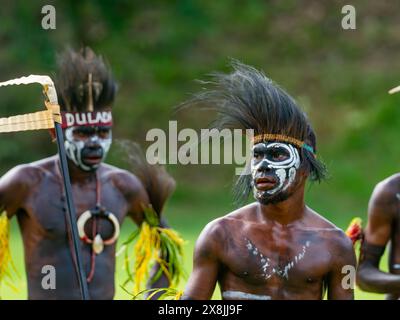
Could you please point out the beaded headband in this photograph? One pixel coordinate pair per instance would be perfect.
(280, 137)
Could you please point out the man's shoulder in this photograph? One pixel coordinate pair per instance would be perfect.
(122, 178)
(388, 188)
(31, 172)
(243, 214)
(230, 221)
(113, 171)
(212, 238)
(385, 198)
(338, 244)
(318, 221)
(329, 231)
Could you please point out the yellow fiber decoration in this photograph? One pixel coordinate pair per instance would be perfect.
(7, 266)
(154, 245)
(165, 294)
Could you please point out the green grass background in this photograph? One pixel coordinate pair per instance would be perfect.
(157, 48)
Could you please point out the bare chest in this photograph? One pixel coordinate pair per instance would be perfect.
(278, 257)
(47, 207)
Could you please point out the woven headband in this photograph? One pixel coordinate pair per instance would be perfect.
(280, 137)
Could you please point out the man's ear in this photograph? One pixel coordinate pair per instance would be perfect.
(52, 133)
(303, 171)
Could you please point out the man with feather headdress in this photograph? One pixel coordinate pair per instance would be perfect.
(103, 194)
(276, 247)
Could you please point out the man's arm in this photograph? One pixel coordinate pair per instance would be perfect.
(134, 193)
(340, 287)
(382, 210)
(204, 276)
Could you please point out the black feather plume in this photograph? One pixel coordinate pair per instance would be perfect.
(72, 81)
(158, 183)
(247, 99)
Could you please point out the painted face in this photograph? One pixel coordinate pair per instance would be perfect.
(273, 168)
(87, 146)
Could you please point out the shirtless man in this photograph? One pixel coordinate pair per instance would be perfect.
(383, 226)
(106, 194)
(276, 247)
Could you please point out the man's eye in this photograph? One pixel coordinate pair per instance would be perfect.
(278, 155)
(257, 155)
(104, 133)
(83, 133)
(80, 134)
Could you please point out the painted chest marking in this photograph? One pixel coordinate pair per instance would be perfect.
(243, 295)
(267, 270)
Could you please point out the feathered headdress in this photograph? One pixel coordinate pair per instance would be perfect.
(7, 267)
(84, 82)
(247, 99)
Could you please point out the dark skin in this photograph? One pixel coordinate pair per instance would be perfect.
(383, 226)
(33, 193)
(280, 231)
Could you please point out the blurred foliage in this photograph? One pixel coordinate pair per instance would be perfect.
(157, 48)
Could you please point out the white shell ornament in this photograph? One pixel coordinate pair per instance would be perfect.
(98, 244)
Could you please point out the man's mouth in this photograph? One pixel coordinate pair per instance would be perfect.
(265, 183)
(92, 160)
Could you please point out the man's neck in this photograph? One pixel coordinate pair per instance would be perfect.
(78, 175)
(286, 211)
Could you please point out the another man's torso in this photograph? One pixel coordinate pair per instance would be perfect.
(47, 241)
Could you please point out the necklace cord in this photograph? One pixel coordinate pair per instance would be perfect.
(95, 228)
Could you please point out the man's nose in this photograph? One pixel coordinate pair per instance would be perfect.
(93, 142)
(263, 166)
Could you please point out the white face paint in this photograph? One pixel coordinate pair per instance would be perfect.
(75, 147)
(277, 161)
